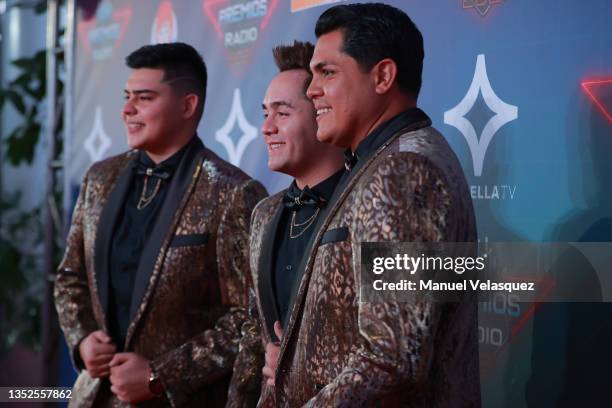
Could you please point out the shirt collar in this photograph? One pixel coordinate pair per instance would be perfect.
(385, 130)
(324, 189)
(171, 163)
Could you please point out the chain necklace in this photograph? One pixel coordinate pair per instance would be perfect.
(144, 200)
(305, 225)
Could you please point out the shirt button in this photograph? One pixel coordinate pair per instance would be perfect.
(288, 267)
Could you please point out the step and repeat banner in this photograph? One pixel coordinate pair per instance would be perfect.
(522, 90)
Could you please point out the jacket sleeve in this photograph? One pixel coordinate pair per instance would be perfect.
(407, 199)
(245, 385)
(71, 291)
(210, 355)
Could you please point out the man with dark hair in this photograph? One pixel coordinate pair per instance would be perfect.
(283, 224)
(402, 183)
(153, 287)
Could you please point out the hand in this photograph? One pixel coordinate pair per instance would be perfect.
(97, 350)
(272, 352)
(129, 377)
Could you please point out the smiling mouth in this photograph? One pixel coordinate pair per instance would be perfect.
(323, 111)
(274, 146)
(134, 126)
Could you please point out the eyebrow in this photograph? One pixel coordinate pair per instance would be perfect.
(140, 91)
(276, 104)
(320, 65)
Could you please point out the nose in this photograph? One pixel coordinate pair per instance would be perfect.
(269, 126)
(314, 90)
(128, 108)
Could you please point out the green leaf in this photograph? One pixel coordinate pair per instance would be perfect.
(16, 100)
(40, 7)
(21, 145)
(23, 82)
(23, 63)
(11, 278)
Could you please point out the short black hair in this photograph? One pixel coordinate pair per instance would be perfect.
(296, 56)
(375, 31)
(183, 67)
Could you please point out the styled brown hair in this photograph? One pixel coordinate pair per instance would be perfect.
(296, 56)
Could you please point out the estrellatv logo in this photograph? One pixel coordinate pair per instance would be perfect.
(503, 113)
(98, 142)
(249, 132)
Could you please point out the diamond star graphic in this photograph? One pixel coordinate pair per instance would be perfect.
(504, 113)
(249, 132)
(481, 6)
(98, 142)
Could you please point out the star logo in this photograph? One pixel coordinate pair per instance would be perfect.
(503, 113)
(98, 142)
(482, 7)
(249, 132)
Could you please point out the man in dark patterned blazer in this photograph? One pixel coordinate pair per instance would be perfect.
(153, 287)
(403, 183)
(283, 224)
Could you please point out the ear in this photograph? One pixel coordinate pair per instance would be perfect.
(384, 74)
(190, 105)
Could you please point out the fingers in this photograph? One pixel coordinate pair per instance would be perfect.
(99, 373)
(102, 337)
(102, 348)
(269, 375)
(119, 359)
(272, 352)
(278, 330)
(102, 359)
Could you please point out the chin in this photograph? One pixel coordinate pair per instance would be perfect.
(328, 138)
(134, 143)
(274, 166)
(323, 137)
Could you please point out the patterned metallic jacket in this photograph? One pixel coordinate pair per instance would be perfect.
(247, 382)
(338, 352)
(190, 291)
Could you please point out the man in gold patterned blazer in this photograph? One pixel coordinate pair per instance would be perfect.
(403, 183)
(153, 287)
(283, 223)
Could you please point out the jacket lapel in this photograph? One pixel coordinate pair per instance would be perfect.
(104, 236)
(265, 286)
(179, 190)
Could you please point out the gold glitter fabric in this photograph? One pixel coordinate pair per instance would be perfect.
(195, 296)
(339, 352)
(247, 383)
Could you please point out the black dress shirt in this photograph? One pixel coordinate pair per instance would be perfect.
(288, 251)
(131, 232)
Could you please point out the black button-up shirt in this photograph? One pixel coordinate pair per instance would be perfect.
(288, 252)
(130, 235)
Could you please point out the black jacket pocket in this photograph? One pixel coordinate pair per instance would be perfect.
(189, 240)
(335, 235)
